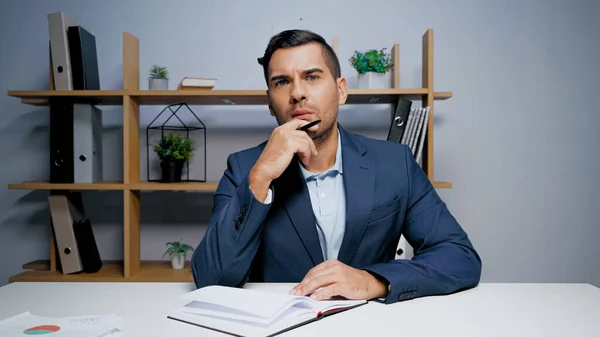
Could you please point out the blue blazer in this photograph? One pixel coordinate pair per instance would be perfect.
(387, 194)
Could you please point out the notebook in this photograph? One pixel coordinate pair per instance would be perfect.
(253, 312)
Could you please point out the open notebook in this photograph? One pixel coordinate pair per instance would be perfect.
(251, 312)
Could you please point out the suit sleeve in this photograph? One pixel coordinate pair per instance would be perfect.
(444, 259)
(225, 253)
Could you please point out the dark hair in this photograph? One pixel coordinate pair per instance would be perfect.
(295, 38)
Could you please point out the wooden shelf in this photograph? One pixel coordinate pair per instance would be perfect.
(442, 184)
(444, 95)
(37, 265)
(210, 97)
(161, 271)
(40, 97)
(183, 186)
(111, 271)
(40, 185)
(141, 186)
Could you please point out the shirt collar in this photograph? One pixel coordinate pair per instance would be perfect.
(336, 168)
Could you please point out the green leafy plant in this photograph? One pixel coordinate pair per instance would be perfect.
(177, 248)
(371, 61)
(158, 72)
(174, 148)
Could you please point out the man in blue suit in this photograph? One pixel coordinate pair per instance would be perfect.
(325, 208)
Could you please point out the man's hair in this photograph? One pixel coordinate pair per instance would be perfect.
(295, 38)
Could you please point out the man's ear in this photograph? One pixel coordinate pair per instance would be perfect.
(342, 90)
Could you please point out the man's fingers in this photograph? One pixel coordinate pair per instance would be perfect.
(294, 124)
(322, 270)
(318, 269)
(320, 281)
(304, 147)
(312, 145)
(334, 289)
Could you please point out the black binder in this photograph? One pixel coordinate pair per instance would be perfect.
(62, 168)
(399, 120)
(86, 243)
(84, 59)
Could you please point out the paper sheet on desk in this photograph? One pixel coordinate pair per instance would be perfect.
(27, 324)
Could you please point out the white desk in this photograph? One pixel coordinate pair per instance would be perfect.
(489, 310)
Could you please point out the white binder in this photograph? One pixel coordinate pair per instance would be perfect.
(64, 214)
(87, 143)
(58, 24)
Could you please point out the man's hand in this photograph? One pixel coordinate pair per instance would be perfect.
(337, 279)
(284, 143)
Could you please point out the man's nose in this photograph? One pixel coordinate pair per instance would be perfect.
(298, 93)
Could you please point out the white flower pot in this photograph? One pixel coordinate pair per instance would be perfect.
(373, 80)
(158, 84)
(178, 261)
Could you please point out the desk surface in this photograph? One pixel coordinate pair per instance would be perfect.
(488, 310)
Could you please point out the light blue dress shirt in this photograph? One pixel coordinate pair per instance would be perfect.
(328, 200)
(327, 197)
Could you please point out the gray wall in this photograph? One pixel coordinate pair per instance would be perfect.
(518, 140)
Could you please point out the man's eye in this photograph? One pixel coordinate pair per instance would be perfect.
(312, 77)
(280, 82)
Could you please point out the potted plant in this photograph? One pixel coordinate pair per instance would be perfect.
(177, 251)
(158, 78)
(373, 67)
(173, 151)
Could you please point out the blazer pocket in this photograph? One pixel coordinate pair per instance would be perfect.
(385, 210)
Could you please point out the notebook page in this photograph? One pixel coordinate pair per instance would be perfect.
(294, 307)
(326, 305)
(256, 305)
(296, 316)
(218, 311)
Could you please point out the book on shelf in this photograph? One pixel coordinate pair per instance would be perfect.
(409, 127)
(196, 83)
(254, 312)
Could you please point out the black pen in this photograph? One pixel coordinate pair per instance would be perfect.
(309, 125)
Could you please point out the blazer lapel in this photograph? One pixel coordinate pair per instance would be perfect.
(292, 192)
(359, 184)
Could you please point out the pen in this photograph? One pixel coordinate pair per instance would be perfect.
(309, 125)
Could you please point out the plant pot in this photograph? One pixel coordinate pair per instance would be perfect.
(158, 84)
(178, 261)
(373, 80)
(171, 170)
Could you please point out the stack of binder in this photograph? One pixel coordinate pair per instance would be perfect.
(75, 242)
(75, 129)
(75, 142)
(409, 127)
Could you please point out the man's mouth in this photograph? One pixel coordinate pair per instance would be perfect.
(302, 114)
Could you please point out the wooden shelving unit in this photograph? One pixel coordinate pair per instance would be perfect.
(132, 268)
(117, 186)
(112, 271)
(210, 97)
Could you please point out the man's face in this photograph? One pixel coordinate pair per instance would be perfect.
(301, 86)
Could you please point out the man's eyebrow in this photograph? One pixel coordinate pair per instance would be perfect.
(305, 72)
(279, 77)
(312, 71)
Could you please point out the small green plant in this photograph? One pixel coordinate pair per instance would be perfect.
(371, 61)
(157, 72)
(177, 248)
(174, 148)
